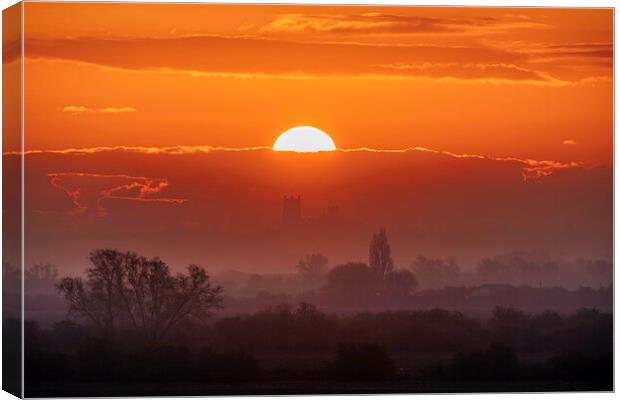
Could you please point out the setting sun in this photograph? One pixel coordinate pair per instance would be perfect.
(304, 139)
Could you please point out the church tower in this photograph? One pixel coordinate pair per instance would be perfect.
(291, 210)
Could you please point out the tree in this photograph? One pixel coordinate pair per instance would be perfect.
(400, 283)
(599, 271)
(518, 268)
(311, 268)
(352, 282)
(125, 290)
(435, 273)
(380, 254)
(40, 278)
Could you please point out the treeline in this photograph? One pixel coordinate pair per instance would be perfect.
(304, 328)
(313, 273)
(499, 363)
(366, 346)
(476, 300)
(96, 359)
(521, 280)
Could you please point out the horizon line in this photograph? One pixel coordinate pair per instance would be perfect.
(532, 169)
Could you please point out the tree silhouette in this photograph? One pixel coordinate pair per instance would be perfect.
(40, 277)
(435, 272)
(518, 268)
(125, 290)
(400, 283)
(311, 268)
(380, 254)
(351, 282)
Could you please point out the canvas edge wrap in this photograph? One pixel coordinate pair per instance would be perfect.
(12, 200)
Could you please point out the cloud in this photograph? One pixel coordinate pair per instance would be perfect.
(381, 23)
(535, 169)
(260, 57)
(88, 191)
(496, 71)
(82, 109)
(77, 109)
(531, 169)
(589, 61)
(176, 150)
(569, 142)
(604, 50)
(116, 109)
(539, 52)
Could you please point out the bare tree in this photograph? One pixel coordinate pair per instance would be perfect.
(40, 278)
(42, 272)
(125, 290)
(381, 262)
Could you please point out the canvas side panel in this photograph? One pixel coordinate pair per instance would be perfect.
(12, 199)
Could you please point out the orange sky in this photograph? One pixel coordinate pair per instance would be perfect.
(493, 81)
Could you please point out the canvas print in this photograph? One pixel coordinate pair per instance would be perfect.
(228, 199)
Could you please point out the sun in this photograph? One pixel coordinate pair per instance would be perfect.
(304, 139)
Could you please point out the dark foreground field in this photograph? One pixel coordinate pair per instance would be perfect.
(303, 351)
(93, 389)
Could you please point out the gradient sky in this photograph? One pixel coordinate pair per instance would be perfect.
(464, 131)
(532, 83)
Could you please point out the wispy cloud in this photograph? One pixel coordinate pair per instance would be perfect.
(252, 57)
(471, 71)
(81, 187)
(531, 169)
(83, 109)
(589, 62)
(569, 142)
(141, 149)
(382, 23)
(544, 52)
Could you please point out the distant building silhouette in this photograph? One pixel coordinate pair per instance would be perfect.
(291, 210)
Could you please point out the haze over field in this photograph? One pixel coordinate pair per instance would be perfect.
(463, 131)
(224, 208)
